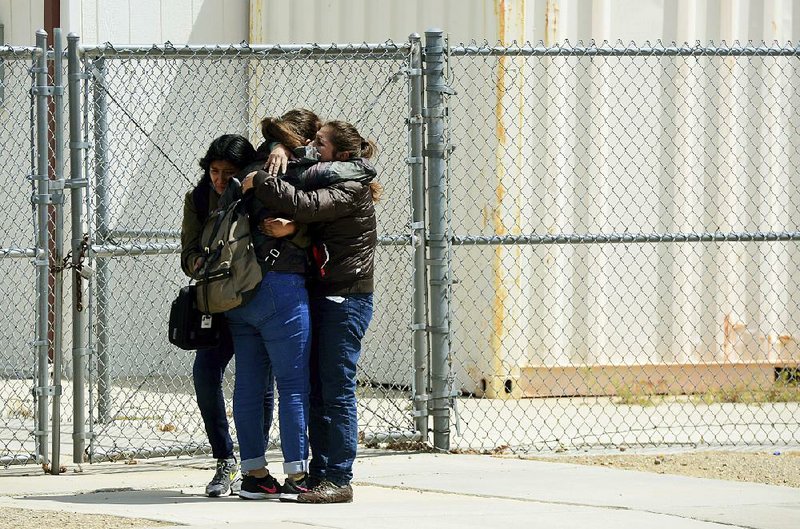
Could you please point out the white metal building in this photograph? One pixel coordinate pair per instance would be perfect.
(324, 21)
(551, 21)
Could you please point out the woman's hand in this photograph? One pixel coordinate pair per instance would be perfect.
(198, 262)
(247, 183)
(278, 158)
(277, 227)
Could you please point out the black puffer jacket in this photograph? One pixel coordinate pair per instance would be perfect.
(344, 230)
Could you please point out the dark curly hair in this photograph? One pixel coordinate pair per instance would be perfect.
(232, 148)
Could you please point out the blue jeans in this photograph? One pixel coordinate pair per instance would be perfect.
(207, 374)
(338, 326)
(272, 330)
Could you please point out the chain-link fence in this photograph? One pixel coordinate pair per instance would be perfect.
(579, 246)
(625, 245)
(17, 274)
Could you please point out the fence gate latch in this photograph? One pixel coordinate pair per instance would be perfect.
(42, 90)
(48, 391)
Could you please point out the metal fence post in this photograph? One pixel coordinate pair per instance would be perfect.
(57, 199)
(435, 152)
(102, 218)
(76, 183)
(416, 163)
(41, 199)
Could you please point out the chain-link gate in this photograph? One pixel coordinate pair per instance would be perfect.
(151, 114)
(17, 277)
(624, 230)
(36, 375)
(579, 246)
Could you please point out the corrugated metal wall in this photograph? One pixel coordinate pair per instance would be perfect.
(699, 327)
(552, 21)
(325, 21)
(149, 21)
(21, 19)
(132, 21)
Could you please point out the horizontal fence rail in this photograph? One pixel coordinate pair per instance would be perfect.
(624, 238)
(19, 52)
(17, 253)
(625, 50)
(172, 234)
(388, 51)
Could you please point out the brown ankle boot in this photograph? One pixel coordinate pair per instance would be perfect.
(327, 492)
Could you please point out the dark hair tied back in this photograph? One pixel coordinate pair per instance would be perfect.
(345, 138)
(292, 129)
(368, 148)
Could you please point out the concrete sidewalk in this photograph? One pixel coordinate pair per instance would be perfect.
(401, 490)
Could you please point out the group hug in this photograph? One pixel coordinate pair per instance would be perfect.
(310, 192)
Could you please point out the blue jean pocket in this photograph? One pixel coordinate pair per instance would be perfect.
(259, 309)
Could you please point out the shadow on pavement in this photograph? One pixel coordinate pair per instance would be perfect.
(127, 496)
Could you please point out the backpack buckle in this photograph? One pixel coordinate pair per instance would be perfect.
(272, 257)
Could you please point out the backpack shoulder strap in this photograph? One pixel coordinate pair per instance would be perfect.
(201, 201)
(220, 214)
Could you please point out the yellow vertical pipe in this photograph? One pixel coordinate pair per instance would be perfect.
(494, 384)
(511, 26)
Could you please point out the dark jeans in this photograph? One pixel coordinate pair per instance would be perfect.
(338, 325)
(207, 373)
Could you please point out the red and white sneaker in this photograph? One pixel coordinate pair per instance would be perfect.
(266, 488)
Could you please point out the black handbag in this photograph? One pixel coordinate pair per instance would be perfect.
(190, 328)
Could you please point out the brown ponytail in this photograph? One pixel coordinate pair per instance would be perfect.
(368, 148)
(274, 129)
(376, 190)
(293, 129)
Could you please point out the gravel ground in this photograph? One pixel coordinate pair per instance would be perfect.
(12, 518)
(772, 468)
